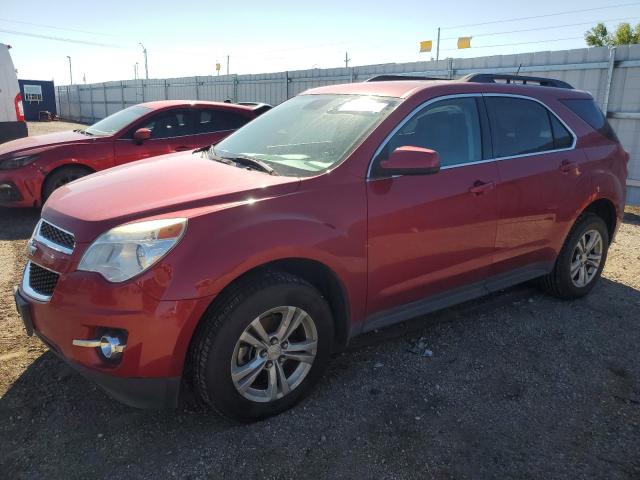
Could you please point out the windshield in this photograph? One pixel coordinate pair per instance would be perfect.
(117, 121)
(309, 133)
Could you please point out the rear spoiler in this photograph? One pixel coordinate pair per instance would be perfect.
(258, 108)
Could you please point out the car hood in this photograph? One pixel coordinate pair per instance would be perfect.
(155, 187)
(40, 141)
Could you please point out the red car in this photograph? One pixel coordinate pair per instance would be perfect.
(240, 268)
(32, 168)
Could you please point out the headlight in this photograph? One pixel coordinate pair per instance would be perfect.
(17, 162)
(128, 250)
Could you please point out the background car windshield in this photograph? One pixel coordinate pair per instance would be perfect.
(117, 121)
(309, 133)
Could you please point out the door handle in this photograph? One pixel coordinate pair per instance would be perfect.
(480, 187)
(182, 148)
(566, 166)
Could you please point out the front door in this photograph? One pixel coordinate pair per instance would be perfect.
(431, 234)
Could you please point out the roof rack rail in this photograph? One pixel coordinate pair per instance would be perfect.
(517, 79)
(386, 78)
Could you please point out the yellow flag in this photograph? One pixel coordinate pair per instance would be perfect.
(464, 42)
(426, 46)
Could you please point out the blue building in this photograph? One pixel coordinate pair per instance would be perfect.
(37, 96)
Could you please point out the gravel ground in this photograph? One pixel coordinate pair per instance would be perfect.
(39, 128)
(519, 385)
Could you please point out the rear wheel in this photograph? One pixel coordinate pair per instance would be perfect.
(263, 347)
(581, 259)
(61, 177)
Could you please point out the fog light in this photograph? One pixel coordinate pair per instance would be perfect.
(109, 346)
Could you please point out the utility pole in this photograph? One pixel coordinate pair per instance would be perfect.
(227, 64)
(438, 46)
(146, 64)
(346, 59)
(70, 74)
(84, 78)
(135, 71)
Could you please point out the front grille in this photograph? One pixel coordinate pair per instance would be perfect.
(41, 280)
(56, 235)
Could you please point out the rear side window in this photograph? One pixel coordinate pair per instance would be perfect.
(561, 136)
(218, 120)
(174, 123)
(588, 111)
(519, 126)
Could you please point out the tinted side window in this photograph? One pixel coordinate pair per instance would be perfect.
(561, 136)
(450, 127)
(175, 123)
(218, 120)
(588, 111)
(518, 126)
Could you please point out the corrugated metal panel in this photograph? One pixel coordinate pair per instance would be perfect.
(585, 69)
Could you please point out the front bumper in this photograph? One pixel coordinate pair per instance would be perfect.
(159, 332)
(20, 187)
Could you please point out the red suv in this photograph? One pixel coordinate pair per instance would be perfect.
(241, 267)
(32, 168)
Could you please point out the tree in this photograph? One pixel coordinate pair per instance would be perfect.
(599, 35)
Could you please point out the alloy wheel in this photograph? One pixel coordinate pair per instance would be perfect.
(274, 354)
(586, 258)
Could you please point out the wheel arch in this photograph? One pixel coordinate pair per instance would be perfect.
(605, 209)
(62, 167)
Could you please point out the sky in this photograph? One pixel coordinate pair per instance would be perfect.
(188, 38)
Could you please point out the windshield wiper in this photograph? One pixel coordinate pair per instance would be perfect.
(84, 132)
(242, 160)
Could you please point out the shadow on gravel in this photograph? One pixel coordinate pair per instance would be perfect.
(631, 218)
(504, 372)
(17, 223)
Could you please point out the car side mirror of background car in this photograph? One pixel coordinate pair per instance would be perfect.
(141, 135)
(408, 160)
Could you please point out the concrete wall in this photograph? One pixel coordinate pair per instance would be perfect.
(612, 77)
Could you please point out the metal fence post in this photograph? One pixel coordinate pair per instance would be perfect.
(450, 68)
(68, 102)
(122, 93)
(166, 90)
(287, 80)
(93, 116)
(197, 89)
(607, 87)
(235, 88)
(106, 108)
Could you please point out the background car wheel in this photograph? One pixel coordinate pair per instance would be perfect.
(581, 260)
(61, 177)
(262, 347)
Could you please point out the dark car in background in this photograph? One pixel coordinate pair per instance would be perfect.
(32, 168)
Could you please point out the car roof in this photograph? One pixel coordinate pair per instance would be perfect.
(407, 88)
(160, 104)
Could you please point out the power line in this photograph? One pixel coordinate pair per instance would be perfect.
(543, 16)
(543, 28)
(59, 39)
(56, 28)
(519, 43)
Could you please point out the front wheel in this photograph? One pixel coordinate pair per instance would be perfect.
(61, 177)
(581, 260)
(263, 346)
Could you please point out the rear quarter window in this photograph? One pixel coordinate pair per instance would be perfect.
(587, 110)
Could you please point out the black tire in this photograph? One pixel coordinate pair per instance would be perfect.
(215, 340)
(61, 177)
(559, 282)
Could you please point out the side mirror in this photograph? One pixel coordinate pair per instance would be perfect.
(410, 160)
(142, 134)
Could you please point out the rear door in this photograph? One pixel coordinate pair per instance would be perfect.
(212, 125)
(539, 169)
(430, 234)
